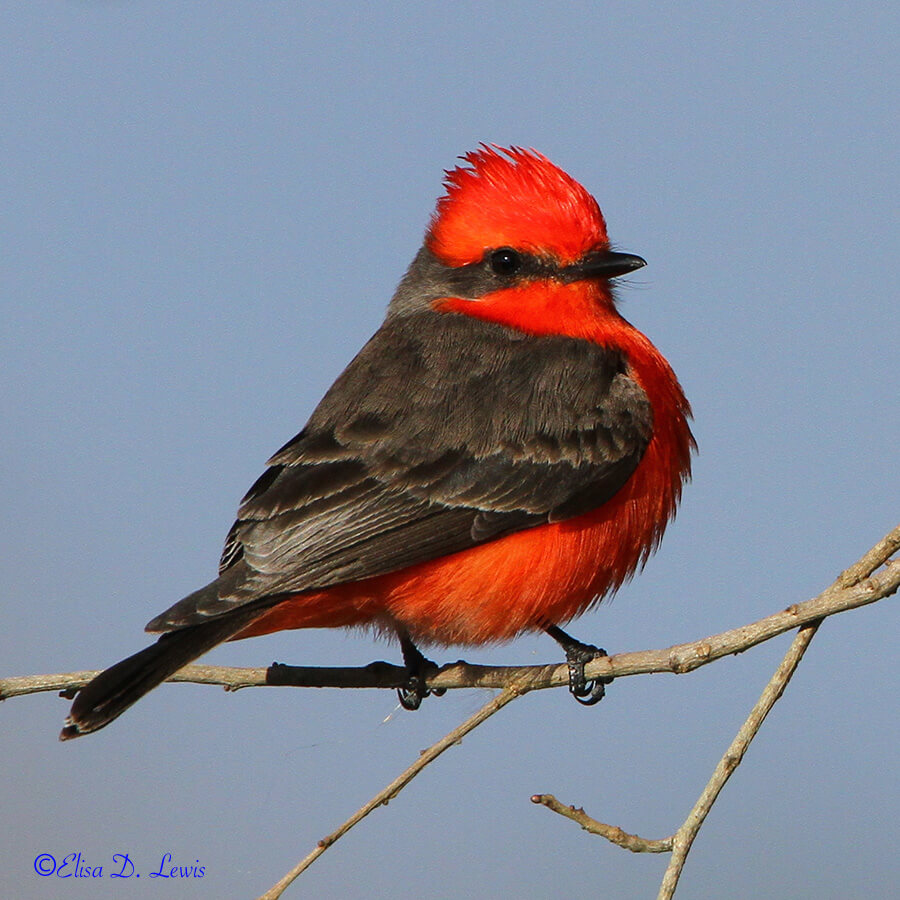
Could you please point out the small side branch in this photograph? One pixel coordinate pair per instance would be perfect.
(684, 837)
(680, 842)
(854, 587)
(613, 833)
(383, 797)
(857, 579)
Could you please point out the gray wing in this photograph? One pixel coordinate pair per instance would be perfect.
(443, 433)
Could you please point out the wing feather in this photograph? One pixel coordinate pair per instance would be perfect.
(443, 433)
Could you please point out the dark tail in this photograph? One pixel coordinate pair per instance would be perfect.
(114, 690)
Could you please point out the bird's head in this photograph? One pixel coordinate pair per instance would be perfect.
(518, 241)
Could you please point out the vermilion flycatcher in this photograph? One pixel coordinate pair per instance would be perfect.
(502, 453)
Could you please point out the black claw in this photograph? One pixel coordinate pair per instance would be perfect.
(412, 693)
(593, 692)
(587, 693)
(419, 668)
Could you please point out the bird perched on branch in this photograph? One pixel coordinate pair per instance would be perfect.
(503, 452)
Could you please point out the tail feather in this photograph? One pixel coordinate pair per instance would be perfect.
(114, 690)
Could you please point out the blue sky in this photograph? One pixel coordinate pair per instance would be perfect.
(204, 209)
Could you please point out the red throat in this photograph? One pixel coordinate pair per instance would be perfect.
(581, 309)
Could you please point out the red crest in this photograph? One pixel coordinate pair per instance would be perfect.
(513, 198)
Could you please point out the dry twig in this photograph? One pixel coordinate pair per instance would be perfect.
(854, 587)
(633, 842)
(684, 837)
(401, 781)
(681, 841)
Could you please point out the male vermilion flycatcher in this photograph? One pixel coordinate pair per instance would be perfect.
(502, 453)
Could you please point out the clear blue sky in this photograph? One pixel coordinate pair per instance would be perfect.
(204, 209)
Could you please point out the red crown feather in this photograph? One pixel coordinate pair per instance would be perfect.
(513, 198)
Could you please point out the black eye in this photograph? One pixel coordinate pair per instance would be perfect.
(505, 261)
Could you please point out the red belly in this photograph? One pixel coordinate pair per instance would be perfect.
(522, 582)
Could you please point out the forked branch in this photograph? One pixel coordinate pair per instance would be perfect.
(856, 578)
(681, 841)
(856, 586)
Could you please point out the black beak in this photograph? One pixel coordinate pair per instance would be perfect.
(604, 264)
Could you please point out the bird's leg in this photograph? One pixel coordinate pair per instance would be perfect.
(577, 655)
(419, 668)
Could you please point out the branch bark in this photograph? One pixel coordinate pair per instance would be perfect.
(852, 589)
(633, 842)
(684, 837)
(401, 781)
(681, 841)
(856, 586)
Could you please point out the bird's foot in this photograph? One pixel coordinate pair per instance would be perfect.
(587, 693)
(419, 668)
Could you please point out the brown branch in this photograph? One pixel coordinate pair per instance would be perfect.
(680, 842)
(854, 577)
(684, 837)
(401, 781)
(613, 833)
(871, 560)
(852, 589)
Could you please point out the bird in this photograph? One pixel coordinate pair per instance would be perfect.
(502, 454)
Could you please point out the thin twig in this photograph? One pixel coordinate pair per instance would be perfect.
(870, 560)
(681, 841)
(855, 577)
(852, 589)
(384, 796)
(613, 833)
(684, 837)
